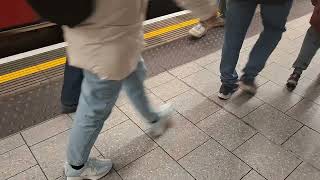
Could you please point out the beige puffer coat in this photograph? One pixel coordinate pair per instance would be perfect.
(109, 43)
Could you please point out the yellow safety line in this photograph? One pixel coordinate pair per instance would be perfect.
(54, 63)
(32, 70)
(170, 28)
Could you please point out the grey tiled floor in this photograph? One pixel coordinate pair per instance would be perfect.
(274, 135)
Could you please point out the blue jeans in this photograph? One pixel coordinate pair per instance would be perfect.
(71, 85)
(238, 19)
(97, 99)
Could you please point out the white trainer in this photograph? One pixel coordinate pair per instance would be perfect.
(159, 127)
(201, 29)
(94, 169)
(198, 31)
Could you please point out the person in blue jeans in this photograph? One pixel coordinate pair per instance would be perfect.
(107, 46)
(274, 15)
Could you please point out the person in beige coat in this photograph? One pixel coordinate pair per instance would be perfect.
(107, 46)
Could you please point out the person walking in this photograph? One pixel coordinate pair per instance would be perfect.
(107, 46)
(217, 20)
(310, 46)
(274, 15)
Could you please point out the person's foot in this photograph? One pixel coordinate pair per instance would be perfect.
(94, 169)
(198, 31)
(293, 81)
(201, 29)
(249, 87)
(159, 127)
(68, 109)
(226, 91)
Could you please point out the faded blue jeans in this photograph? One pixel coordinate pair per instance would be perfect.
(96, 101)
(238, 19)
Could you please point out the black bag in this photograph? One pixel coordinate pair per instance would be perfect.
(63, 12)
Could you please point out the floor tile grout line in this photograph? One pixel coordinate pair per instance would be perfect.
(198, 91)
(209, 138)
(100, 153)
(258, 133)
(48, 138)
(44, 122)
(306, 125)
(118, 174)
(234, 149)
(246, 174)
(293, 170)
(104, 131)
(295, 105)
(5, 152)
(146, 152)
(158, 146)
(23, 171)
(274, 105)
(282, 144)
(35, 158)
(223, 145)
(184, 91)
(55, 136)
(253, 171)
(178, 161)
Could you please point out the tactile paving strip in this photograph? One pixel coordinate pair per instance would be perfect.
(38, 103)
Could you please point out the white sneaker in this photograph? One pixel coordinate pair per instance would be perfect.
(201, 29)
(159, 127)
(198, 31)
(94, 169)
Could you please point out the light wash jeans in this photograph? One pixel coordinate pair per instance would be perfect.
(238, 19)
(309, 48)
(97, 99)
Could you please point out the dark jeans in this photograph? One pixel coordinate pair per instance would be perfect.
(309, 48)
(71, 85)
(238, 19)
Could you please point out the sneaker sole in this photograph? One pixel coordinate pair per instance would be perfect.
(91, 177)
(224, 97)
(196, 34)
